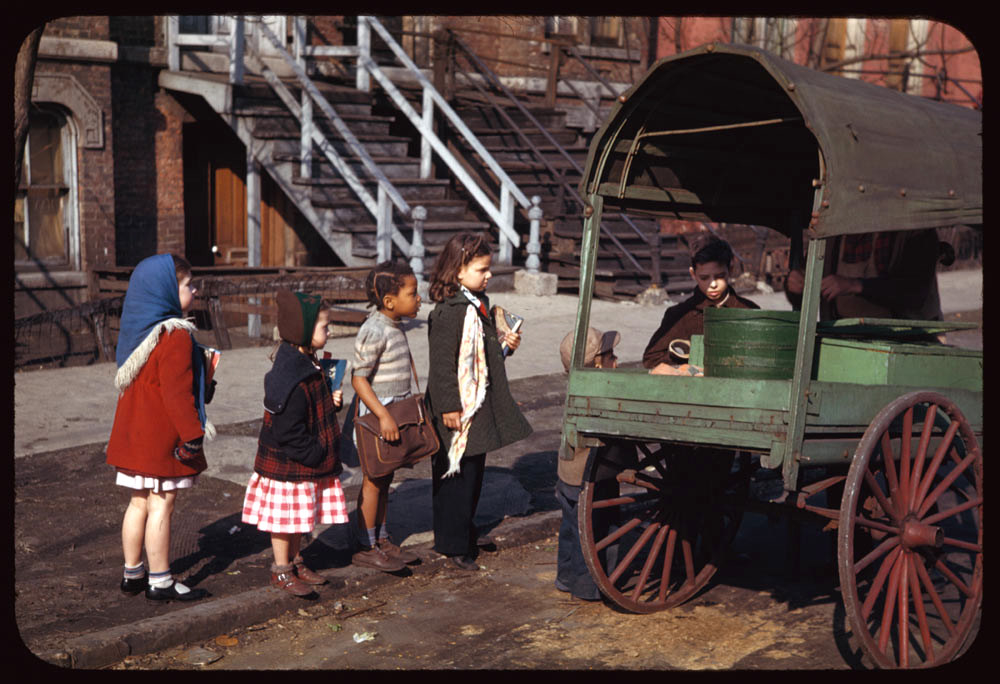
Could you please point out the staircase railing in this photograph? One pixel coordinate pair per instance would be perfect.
(494, 81)
(379, 207)
(387, 196)
(502, 215)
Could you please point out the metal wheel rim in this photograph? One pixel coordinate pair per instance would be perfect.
(655, 541)
(897, 625)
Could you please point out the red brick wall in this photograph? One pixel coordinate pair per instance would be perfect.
(91, 28)
(169, 175)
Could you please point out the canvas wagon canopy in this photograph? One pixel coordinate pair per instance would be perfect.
(731, 133)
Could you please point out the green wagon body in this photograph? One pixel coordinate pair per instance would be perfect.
(728, 133)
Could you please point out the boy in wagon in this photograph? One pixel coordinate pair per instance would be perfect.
(711, 258)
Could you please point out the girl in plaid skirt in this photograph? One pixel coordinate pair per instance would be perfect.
(295, 483)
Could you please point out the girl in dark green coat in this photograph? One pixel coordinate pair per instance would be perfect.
(467, 392)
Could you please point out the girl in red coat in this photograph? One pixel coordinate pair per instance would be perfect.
(156, 439)
(294, 484)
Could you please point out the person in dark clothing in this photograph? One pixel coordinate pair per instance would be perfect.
(877, 275)
(295, 481)
(572, 575)
(467, 393)
(711, 258)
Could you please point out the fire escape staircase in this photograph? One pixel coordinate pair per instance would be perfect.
(337, 160)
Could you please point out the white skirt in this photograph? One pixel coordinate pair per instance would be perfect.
(156, 484)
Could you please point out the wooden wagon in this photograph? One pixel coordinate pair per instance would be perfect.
(876, 432)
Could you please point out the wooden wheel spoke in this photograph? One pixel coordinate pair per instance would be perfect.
(947, 513)
(876, 490)
(918, 603)
(932, 469)
(890, 604)
(668, 562)
(647, 567)
(935, 599)
(874, 525)
(959, 544)
(876, 587)
(875, 553)
(633, 552)
(889, 463)
(922, 445)
(688, 559)
(904, 461)
(904, 611)
(945, 484)
(622, 531)
(952, 577)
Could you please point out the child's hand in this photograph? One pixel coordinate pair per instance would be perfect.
(452, 420)
(388, 429)
(338, 398)
(512, 340)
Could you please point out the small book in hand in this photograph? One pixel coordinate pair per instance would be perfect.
(212, 357)
(506, 322)
(333, 370)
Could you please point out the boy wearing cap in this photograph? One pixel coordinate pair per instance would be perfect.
(710, 260)
(572, 575)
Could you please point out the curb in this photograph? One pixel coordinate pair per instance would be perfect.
(209, 619)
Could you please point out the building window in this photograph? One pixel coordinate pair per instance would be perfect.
(45, 233)
(565, 27)
(606, 31)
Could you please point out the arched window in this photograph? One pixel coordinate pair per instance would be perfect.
(45, 225)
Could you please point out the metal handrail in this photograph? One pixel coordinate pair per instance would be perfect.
(431, 95)
(384, 184)
(492, 78)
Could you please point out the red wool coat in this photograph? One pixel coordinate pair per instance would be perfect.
(156, 413)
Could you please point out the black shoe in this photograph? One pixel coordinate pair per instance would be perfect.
(171, 594)
(134, 586)
(463, 562)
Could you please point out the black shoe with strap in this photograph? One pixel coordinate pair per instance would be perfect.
(170, 593)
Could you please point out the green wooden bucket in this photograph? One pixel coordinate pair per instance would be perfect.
(750, 343)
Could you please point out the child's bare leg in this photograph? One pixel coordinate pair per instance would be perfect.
(371, 506)
(281, 545)
(383, 503)
(160, 506)
(134, 528)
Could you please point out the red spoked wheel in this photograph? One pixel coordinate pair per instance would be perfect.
(654, 527)
(910, 540)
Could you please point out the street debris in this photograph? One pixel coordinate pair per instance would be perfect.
(201, 656)
(364, 636)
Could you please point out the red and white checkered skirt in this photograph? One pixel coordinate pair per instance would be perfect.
(292, 507)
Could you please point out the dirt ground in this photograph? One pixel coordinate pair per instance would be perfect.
(511, 617)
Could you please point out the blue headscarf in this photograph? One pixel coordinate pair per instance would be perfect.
(152, 298)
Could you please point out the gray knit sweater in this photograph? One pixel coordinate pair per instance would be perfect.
(382, 355)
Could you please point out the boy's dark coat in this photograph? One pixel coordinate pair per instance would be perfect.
(498, 421)
(681, 322)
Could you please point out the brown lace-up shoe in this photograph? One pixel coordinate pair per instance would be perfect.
(306, 575)
(374, 557)
(283, 577)
(394, 551)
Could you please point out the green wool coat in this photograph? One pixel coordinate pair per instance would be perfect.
(499, 421)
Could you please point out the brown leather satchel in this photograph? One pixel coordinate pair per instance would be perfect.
(417, 437)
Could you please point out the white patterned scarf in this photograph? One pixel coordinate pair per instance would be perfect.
(472, 379)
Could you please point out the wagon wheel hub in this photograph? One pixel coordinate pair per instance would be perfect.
(916, 533)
